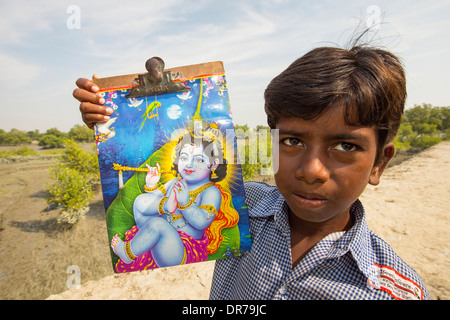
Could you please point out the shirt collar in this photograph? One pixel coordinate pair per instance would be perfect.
(358, 242)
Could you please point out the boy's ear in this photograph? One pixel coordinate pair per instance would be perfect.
(378, 168)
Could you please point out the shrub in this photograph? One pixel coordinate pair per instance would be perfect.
(75, 174)
(13, 137)
(81, 133)
(50, 141)
(255, 151)
(84, 162)
(422, 127)
(25, 151)
(425, 141)
(71, 191)
(22, 151)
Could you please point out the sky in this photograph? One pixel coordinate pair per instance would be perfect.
(46, 45)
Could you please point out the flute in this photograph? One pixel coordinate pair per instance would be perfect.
(121, 168)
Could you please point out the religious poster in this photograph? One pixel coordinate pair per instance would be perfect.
(172, 186)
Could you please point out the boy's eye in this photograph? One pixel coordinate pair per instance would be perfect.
(292, 142)
(183, 158)
(346, 147)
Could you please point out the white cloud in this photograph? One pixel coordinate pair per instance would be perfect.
(20, 18)
(133, 19)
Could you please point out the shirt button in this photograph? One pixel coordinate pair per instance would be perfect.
(282, 293)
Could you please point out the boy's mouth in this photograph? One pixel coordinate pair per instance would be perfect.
(188, 171)
(310, 200)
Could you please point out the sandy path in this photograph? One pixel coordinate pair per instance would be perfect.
(409, 209)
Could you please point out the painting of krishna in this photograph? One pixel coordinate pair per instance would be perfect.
(172, 186)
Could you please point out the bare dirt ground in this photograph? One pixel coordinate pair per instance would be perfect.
(35, 251)
(408, 209)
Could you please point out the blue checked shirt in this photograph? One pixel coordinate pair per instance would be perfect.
(356, 264)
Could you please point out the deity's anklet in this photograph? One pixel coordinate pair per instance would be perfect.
(130, 255)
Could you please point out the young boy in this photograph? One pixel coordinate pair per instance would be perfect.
(337, 112)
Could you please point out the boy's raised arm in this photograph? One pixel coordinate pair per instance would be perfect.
(91, 106)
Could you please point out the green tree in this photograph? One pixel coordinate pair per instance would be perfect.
(242, 131)
(81, 133)
(436, 118)
(247, 150)
(57, 133)
(404, 136)
(427, 129)
(445, 116)
(2, 136)
(34, 135)
(254, 147)
(50, 141)
(417, 116)
(14, 137)
(425, 141)
(423, 126)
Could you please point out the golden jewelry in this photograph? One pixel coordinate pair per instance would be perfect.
(175, 217)
(162, 188)
(213, 174)
(183, 261)
(193, 194)
(196, 192)
(210, 208)
(187, 205)
(128, 250)
(151, 188)
(161, 205)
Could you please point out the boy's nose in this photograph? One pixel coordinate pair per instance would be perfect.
(312, 168)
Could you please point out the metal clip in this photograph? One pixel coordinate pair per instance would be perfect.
(156, 81)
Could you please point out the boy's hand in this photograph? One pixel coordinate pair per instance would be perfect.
(91, 106)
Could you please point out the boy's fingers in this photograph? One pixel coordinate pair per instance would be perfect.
(83, 95)
(91, 106)
(88, 107)
(93, 113)
(86, 84)
(90, 119)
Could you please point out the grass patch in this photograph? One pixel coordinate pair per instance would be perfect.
(22, 151)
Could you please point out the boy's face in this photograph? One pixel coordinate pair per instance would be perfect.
(325, 164)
